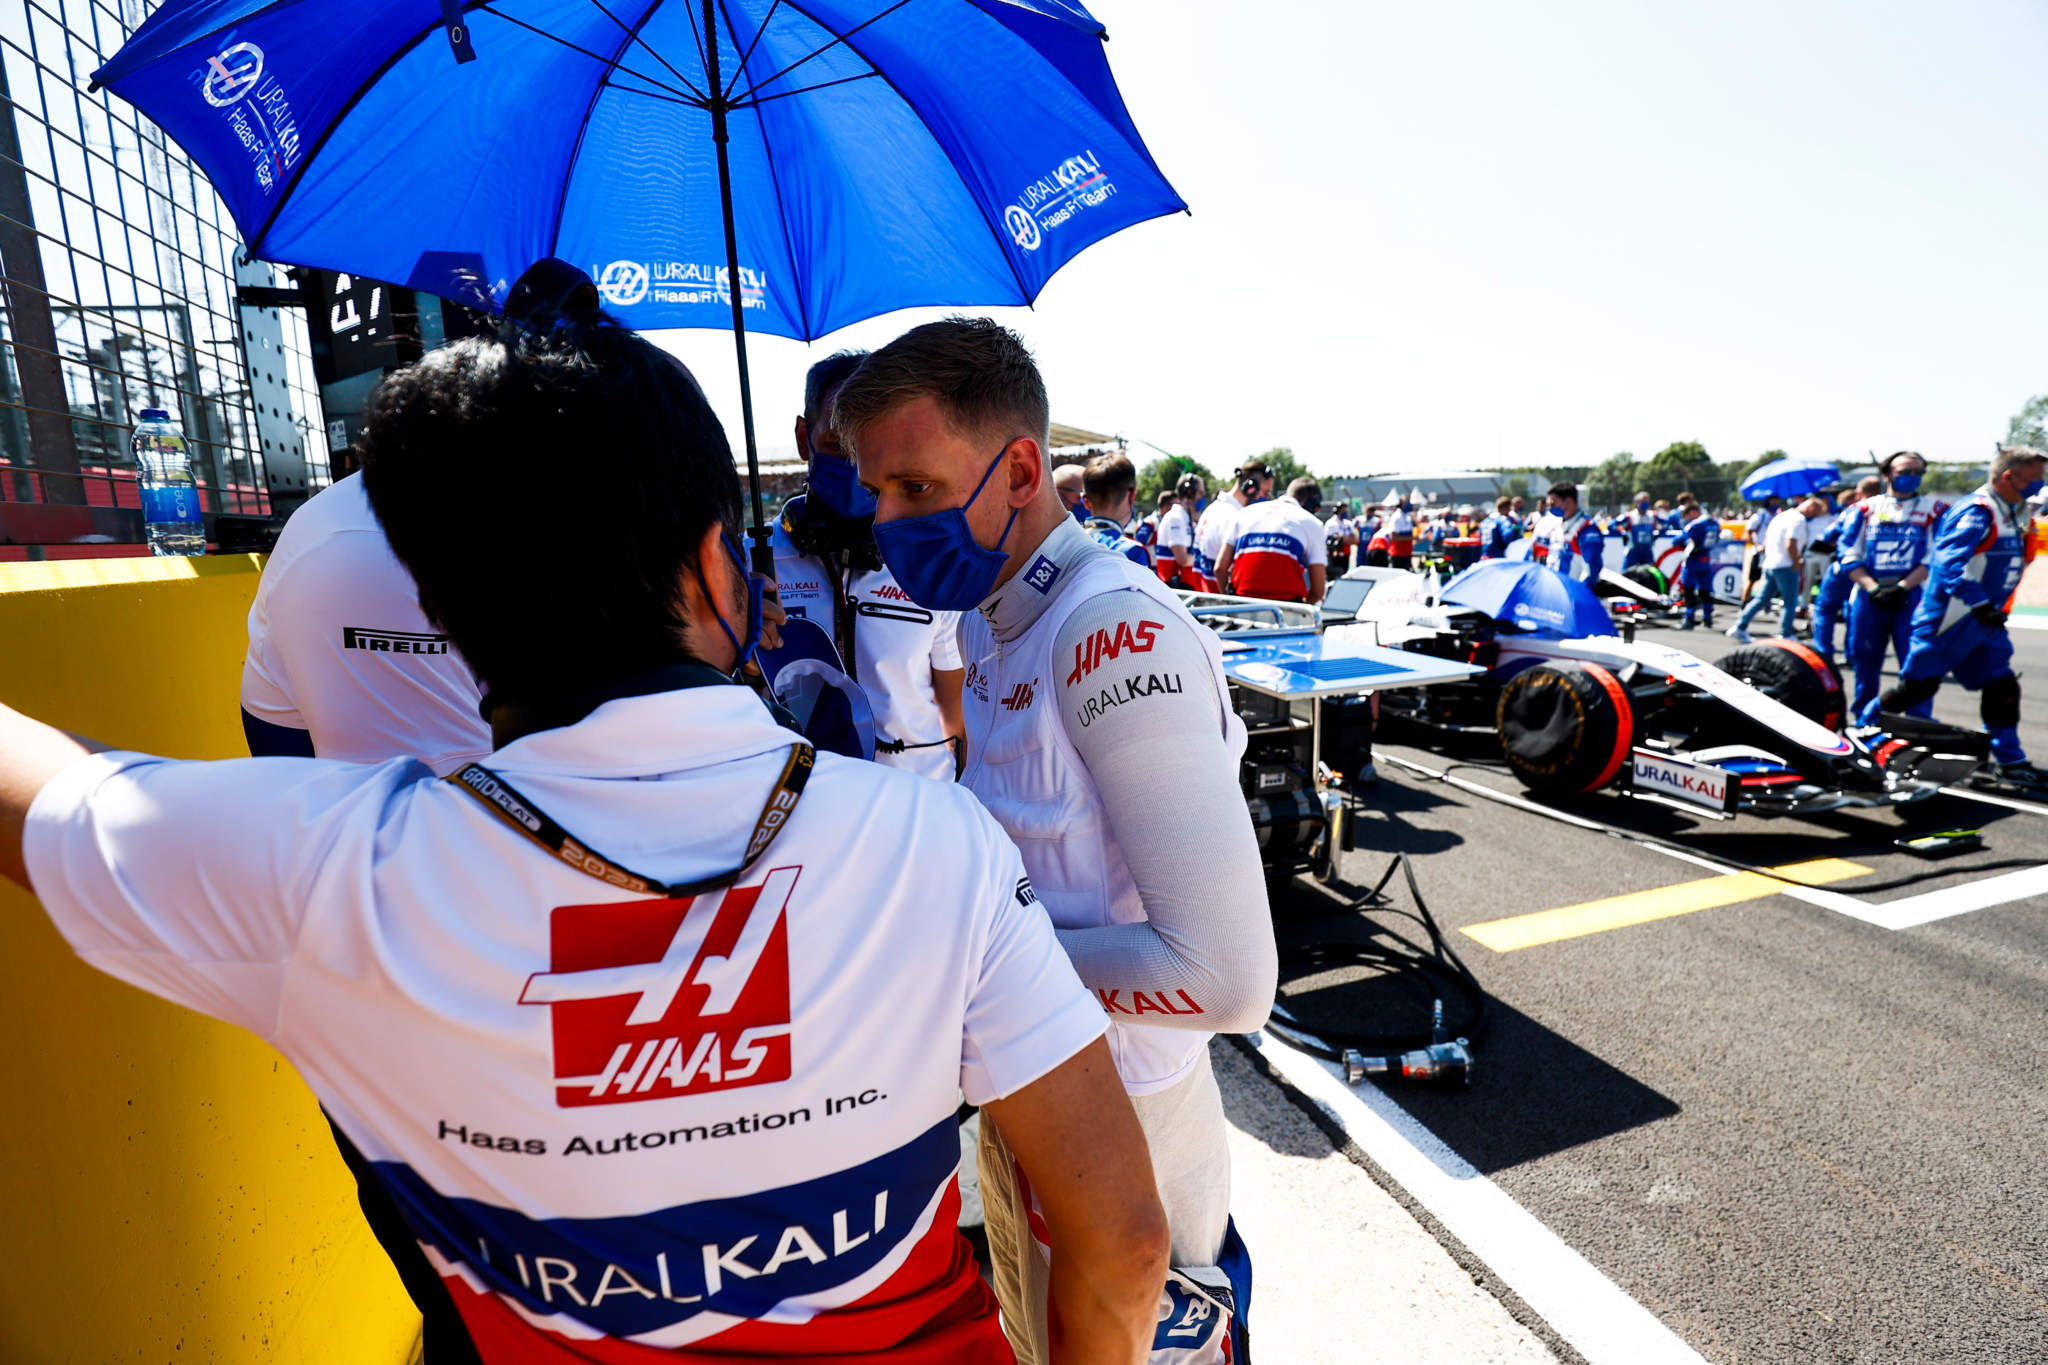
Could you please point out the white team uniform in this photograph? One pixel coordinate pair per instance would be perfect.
(1213, 532)
(339, 647)
(720, 1125)
(891, 644)
(1024, 684)
(1177, 528)
(1273, 545)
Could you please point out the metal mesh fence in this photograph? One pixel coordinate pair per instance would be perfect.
(118, 291)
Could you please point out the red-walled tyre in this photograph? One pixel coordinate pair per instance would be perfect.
(1565, 727)
(1793, 673)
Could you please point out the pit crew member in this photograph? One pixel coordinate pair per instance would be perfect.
(1981, 547)
(1638, 528)
(1882, 549)
(1499, 531)
(1071, 482)
(1566, 538)
(1251, 483)
(1700, 534)
(1276, 548)
(1340, 538)
(520, 1042)
(1399, 530)
(906, 658)
(1180, 558)
(1831, 598)
(1110, 483)
(1146, 532)
(1093, 669)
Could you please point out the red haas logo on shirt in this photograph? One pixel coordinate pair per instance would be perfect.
(1102, 646)
(652, 999)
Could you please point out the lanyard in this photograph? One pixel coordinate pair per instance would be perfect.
(505, 800)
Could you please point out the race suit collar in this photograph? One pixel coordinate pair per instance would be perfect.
(1012, 608)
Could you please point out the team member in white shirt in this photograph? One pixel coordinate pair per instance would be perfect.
(1340, 538)
(1082, 670)
(906, 659)
(1252, 483)
(520, 1032)
(1180, 559)
(1277, 549)
(1784, 554)
(342, 662)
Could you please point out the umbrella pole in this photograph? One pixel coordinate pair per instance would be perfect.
(762, 557)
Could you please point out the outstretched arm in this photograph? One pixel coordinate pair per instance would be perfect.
(1146, 707)
(31, 753)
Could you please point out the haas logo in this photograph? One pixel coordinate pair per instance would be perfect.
(1021, 696)
(1103, 646)
(652, 999)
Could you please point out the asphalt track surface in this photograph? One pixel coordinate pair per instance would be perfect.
(1791, 1134)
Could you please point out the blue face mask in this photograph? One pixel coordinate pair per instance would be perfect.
(743, 650)
(2033, 490)
(1905, 485)
(835, 483)
(937, 560)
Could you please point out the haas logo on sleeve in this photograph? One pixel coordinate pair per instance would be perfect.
(652, 999)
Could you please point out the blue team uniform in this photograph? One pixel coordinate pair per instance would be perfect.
(1496, 533)
(1889, 537)
(1574, 548)
(1835, 584)
(1638, 528)
(1696, 575)
(1980, 549)
(1112, 535)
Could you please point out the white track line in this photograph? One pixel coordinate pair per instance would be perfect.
(1590, 1311)
(1971, 794)
(1897, 914)
(2027, 622)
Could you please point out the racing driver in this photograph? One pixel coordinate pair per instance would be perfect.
(1566, 538)
(1981, 547)
(1082, 670)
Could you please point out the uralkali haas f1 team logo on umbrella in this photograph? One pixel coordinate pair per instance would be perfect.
(880, 154)
(858, 156)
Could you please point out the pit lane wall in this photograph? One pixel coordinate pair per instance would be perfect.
(170, 1191)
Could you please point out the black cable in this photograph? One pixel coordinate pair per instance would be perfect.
(1438, 965)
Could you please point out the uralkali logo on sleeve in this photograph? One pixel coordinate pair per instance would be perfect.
(657, 998)
(1697, 784)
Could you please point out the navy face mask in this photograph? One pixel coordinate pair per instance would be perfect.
(937, 560)
(1905, 485)
(836, 483)
(744, 649)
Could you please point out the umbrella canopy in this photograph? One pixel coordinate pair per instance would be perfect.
(882, 155)
(1532, 596)
(1790, 479)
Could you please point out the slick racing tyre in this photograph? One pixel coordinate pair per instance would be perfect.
(1793, 673)
(1650, 576)
(1565, 727)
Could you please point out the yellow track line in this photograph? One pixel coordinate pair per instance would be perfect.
(1639, 907)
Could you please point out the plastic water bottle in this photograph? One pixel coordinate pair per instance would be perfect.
(170, 500)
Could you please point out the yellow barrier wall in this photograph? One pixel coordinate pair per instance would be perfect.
(168, 1189)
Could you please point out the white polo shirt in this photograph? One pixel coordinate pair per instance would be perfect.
(1213, 533)
(339, 647)
(1176, 528)
(895, 644)
(723, 1123)
(1785, 539)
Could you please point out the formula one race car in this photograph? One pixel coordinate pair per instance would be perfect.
(1583, 709)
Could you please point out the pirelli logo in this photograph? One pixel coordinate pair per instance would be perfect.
(392, 641)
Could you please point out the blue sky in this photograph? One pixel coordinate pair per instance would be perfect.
(1443, 235)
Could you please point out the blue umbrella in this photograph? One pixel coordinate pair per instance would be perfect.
(1533, 597)
(1790, 479)
(836, 158)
